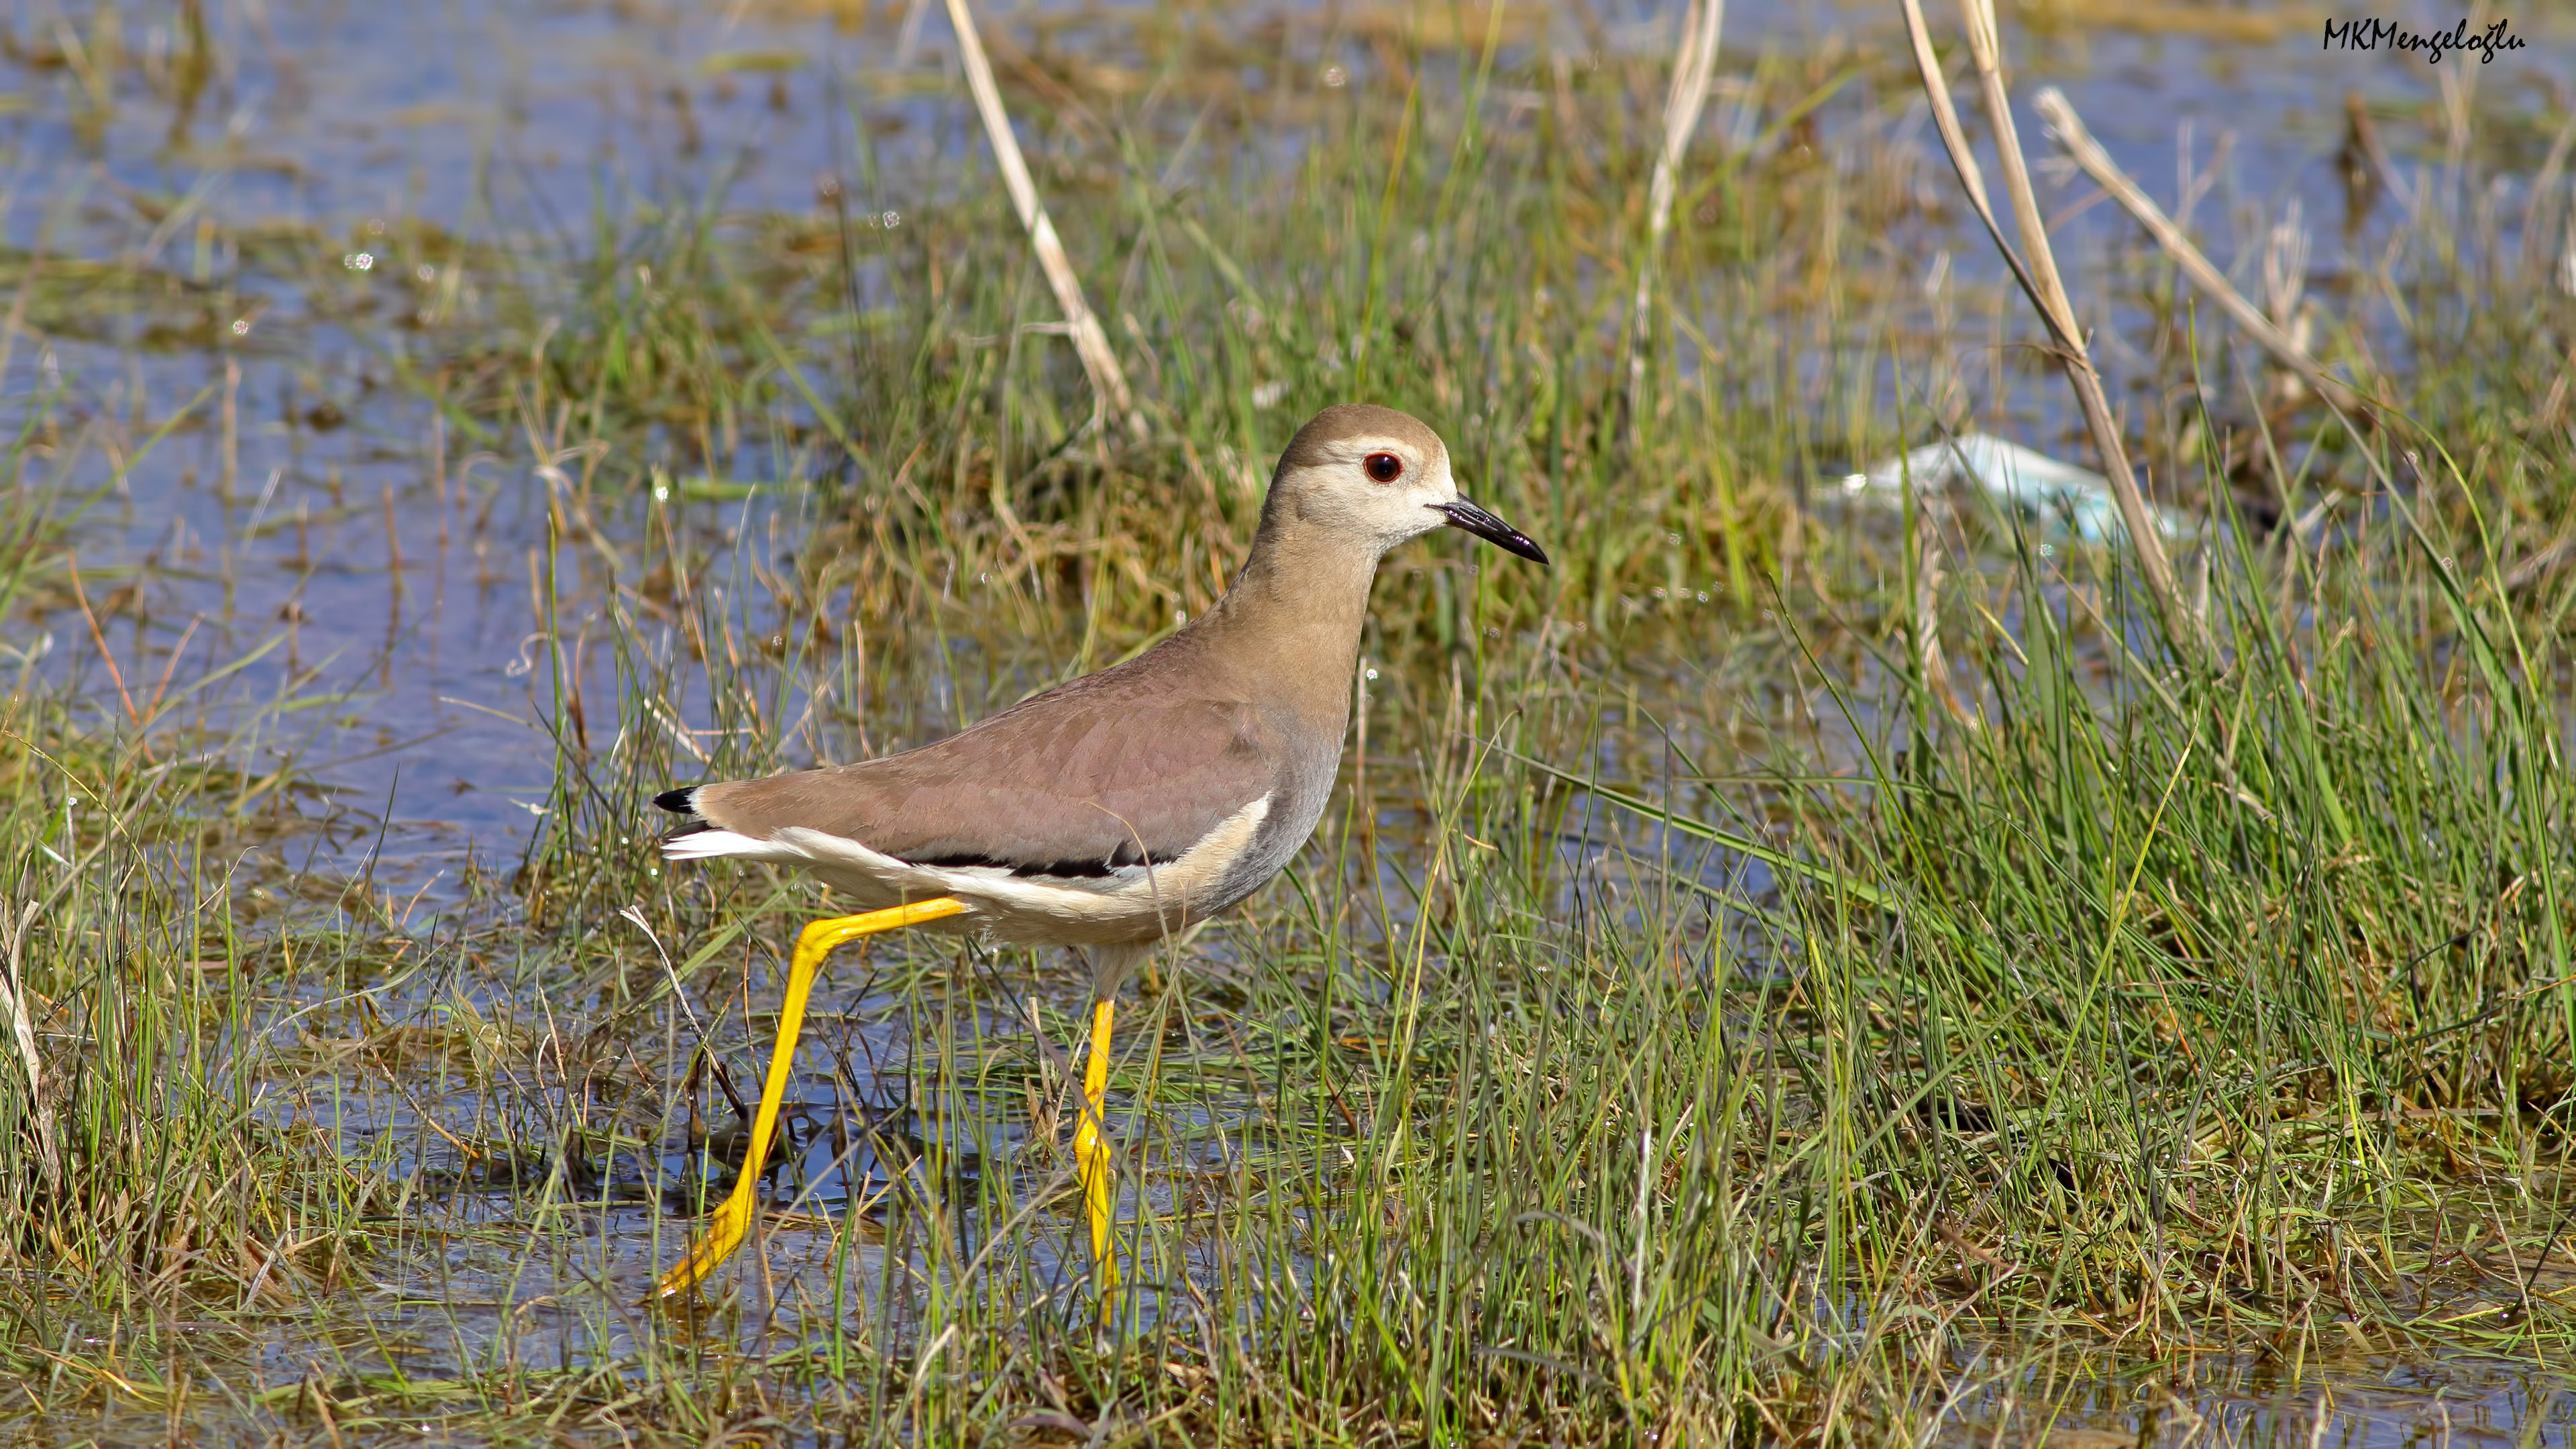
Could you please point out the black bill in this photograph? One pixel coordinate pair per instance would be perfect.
(1466, 515)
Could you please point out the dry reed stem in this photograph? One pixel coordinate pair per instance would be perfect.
(2097, 163)
(22, 1026)
(2364, 134)
(2459, 92)
(1931, 664)
(1682, 104)
(2038, 276)
(1108, 381)
(1985, 51)
(2537, 230)
(1985, 46)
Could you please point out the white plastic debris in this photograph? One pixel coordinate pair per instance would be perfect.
(2035, 486)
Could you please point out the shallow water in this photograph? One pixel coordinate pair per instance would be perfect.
(2359, 1404)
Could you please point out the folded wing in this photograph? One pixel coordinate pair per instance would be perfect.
(1069, 784)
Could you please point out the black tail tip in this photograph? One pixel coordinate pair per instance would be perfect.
(677, 801)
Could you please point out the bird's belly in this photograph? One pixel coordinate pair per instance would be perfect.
(1135, 905)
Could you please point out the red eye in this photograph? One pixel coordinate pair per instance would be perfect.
(1384, 467)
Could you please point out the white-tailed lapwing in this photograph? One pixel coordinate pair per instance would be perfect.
(1120, 808)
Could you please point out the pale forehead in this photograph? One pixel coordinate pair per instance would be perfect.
(1333, 434)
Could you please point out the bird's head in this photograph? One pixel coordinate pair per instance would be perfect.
(1375, 474)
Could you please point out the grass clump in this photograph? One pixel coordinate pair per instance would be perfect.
(151, 1172)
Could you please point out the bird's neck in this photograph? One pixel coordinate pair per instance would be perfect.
(1292, 620)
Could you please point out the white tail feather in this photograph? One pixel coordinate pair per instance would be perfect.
(710, 844)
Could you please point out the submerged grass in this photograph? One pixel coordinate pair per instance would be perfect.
(2091, 1003)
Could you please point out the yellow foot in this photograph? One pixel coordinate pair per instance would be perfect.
(732, 1222)
(1091, 1153)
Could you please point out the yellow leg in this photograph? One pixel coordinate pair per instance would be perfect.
(1091, 1152)
(725, 1231)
